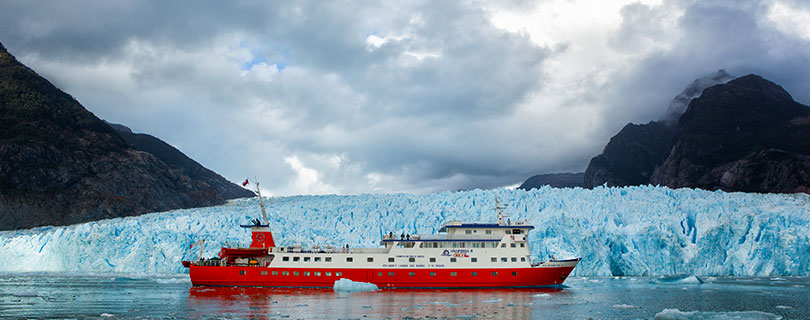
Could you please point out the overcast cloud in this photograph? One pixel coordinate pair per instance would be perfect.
(343, 97)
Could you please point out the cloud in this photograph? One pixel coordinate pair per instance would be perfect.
(322, 97)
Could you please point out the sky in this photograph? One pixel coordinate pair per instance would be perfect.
(344, 97)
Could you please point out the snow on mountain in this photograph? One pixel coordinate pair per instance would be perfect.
(617, 231)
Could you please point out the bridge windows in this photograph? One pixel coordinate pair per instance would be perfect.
(488, 232)
(503, 245)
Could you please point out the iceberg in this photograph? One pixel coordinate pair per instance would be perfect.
(348, 285)
(628, 231)
(675, 314)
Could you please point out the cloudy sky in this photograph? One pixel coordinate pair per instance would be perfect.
(346, 97)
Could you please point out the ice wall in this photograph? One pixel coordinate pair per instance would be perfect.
(617, 231)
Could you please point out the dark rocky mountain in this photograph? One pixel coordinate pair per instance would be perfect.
(747, 135)
(179, 161)
(556, 180)
(60, 164)
(631, 156)
(744, 135)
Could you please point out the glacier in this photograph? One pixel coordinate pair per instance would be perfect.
(628, 231)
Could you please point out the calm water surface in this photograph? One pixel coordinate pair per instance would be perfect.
(106, 296)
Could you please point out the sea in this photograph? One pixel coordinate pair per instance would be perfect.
(171, 296)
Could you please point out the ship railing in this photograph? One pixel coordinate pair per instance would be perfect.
(446, 237)
(331, 250)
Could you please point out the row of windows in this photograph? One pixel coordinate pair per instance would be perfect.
(467, 244)
(507, 231)
(295, 273)
(379, 274)
(391, 260)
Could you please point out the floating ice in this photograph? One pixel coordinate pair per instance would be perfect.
(624, 306)
(675, 314)
(631, 231)
(679, 279)
(348, 285)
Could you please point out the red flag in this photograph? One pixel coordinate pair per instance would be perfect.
(245, 183)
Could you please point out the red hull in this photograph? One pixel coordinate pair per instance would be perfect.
(402, 278)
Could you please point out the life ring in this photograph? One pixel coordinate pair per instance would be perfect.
(260, 237)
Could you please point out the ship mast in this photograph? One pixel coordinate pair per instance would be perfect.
(261, 203)
(499, 210)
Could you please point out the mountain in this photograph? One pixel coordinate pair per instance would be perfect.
(556, 180)
(60, 164)
(679, 104)
(179, 161)
(747, 135)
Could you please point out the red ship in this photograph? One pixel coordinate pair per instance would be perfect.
(461, 255)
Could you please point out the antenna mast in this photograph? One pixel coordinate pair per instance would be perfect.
(261, 203)
(499, 210)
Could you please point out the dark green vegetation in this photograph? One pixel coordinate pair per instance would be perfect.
(60, 164)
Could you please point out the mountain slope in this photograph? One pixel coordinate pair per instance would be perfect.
(60, 164)
(556, 180)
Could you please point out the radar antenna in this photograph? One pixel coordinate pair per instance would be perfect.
(259, 194)
(499, 210)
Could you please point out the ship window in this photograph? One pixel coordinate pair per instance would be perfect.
(432, 259)
(514, 259)
(474, 259)
(285, 259)
(494, 244)
(295, 273)
(475, 244)
(379, 274)
(306, 273)
(390, 259)
(515, 231)
(522, 245)
(264, 273)
(328, 259)
(391, 274)
(468, 232)
(369, 259)
(432, 274)
(489, 231)
(503, 245)
(328, 273)
(513, 245)
(295, 259)
(317, 273)
(338, 274)
(317, 259)
(483, 245)
(522, 259)
(435, 244)
(306, 259)
(349, 259)
(411, 274)
(455, 244)
(503, 259)
(453, 274)
(274, 273)
(411, 259)
(474, 274)
(494, 259)
(242, 272)
(514, 273)
(452, 259)
(507, 231)
(285, 273)
(494, 273)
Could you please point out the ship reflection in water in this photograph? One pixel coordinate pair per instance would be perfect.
(312, 303)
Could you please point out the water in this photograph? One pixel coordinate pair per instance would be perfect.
(111, 296)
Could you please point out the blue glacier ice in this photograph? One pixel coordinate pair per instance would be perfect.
(638, 231)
